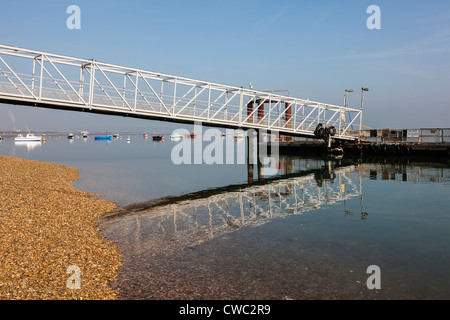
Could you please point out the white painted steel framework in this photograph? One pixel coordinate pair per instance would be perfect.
(43, 79)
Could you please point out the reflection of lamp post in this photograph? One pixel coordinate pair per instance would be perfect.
(363, 213)
(360, 116)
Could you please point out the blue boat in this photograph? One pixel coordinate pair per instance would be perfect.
(103, 138)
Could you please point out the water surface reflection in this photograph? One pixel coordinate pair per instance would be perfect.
(311, 230)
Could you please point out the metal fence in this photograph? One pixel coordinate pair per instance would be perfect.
(424, 135)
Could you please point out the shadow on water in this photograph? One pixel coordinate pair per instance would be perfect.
(307, 233)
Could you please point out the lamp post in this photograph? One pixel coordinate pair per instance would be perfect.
(345, 97)
(360, 116)
(345, 105)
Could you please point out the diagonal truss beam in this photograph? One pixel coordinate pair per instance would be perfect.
(198, 101)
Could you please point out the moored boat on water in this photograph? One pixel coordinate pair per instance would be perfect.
(28, 137)
(158, 137)
(176, 136)
(103, 138)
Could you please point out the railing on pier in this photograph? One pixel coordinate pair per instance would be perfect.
(418, 136)
(49, 80)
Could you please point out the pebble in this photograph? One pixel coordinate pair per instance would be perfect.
(46, 226)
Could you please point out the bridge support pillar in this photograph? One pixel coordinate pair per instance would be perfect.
(252, 152)
(249, 172)
(260, 155)
(255, 155)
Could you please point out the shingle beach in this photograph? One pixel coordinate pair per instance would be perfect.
(47, 231)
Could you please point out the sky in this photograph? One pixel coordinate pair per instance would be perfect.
(314, 49)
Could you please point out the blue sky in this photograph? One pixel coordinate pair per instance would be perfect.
(314, 49)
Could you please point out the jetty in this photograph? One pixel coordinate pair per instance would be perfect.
(404, 142)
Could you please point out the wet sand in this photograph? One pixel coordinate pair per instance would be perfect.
(46, 226)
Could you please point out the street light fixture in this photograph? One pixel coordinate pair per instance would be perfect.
(360, 116)
(342, 117)
(346, 94)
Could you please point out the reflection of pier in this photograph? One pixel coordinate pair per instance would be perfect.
(303, 186)
(399, 172)
(195, 218)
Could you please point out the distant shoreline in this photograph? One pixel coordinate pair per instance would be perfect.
(47, 226)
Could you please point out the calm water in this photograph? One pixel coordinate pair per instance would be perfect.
(226, 232)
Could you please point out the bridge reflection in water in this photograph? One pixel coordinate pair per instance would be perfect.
(303, 185)
(251, 241)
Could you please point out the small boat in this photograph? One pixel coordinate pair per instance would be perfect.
(193, 136)
(176, 136)
(115, 135)
(103, 138)
(1, 138)
(28, 137)
(158, 137)
(128, 140)
(70, 136)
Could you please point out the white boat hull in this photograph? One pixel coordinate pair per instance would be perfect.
(28, 137)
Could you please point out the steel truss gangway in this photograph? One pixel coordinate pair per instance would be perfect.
(42, 79)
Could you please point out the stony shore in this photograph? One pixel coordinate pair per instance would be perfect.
(46, 226)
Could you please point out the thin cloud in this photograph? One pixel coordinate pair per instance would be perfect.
(438, 43)
(277, 15)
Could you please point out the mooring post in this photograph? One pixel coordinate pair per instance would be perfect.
(251, 148)
(261, 154)
(249, 172)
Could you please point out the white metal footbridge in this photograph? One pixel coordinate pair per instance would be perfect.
(41, 79)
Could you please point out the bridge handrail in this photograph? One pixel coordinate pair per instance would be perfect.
(175, 106)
